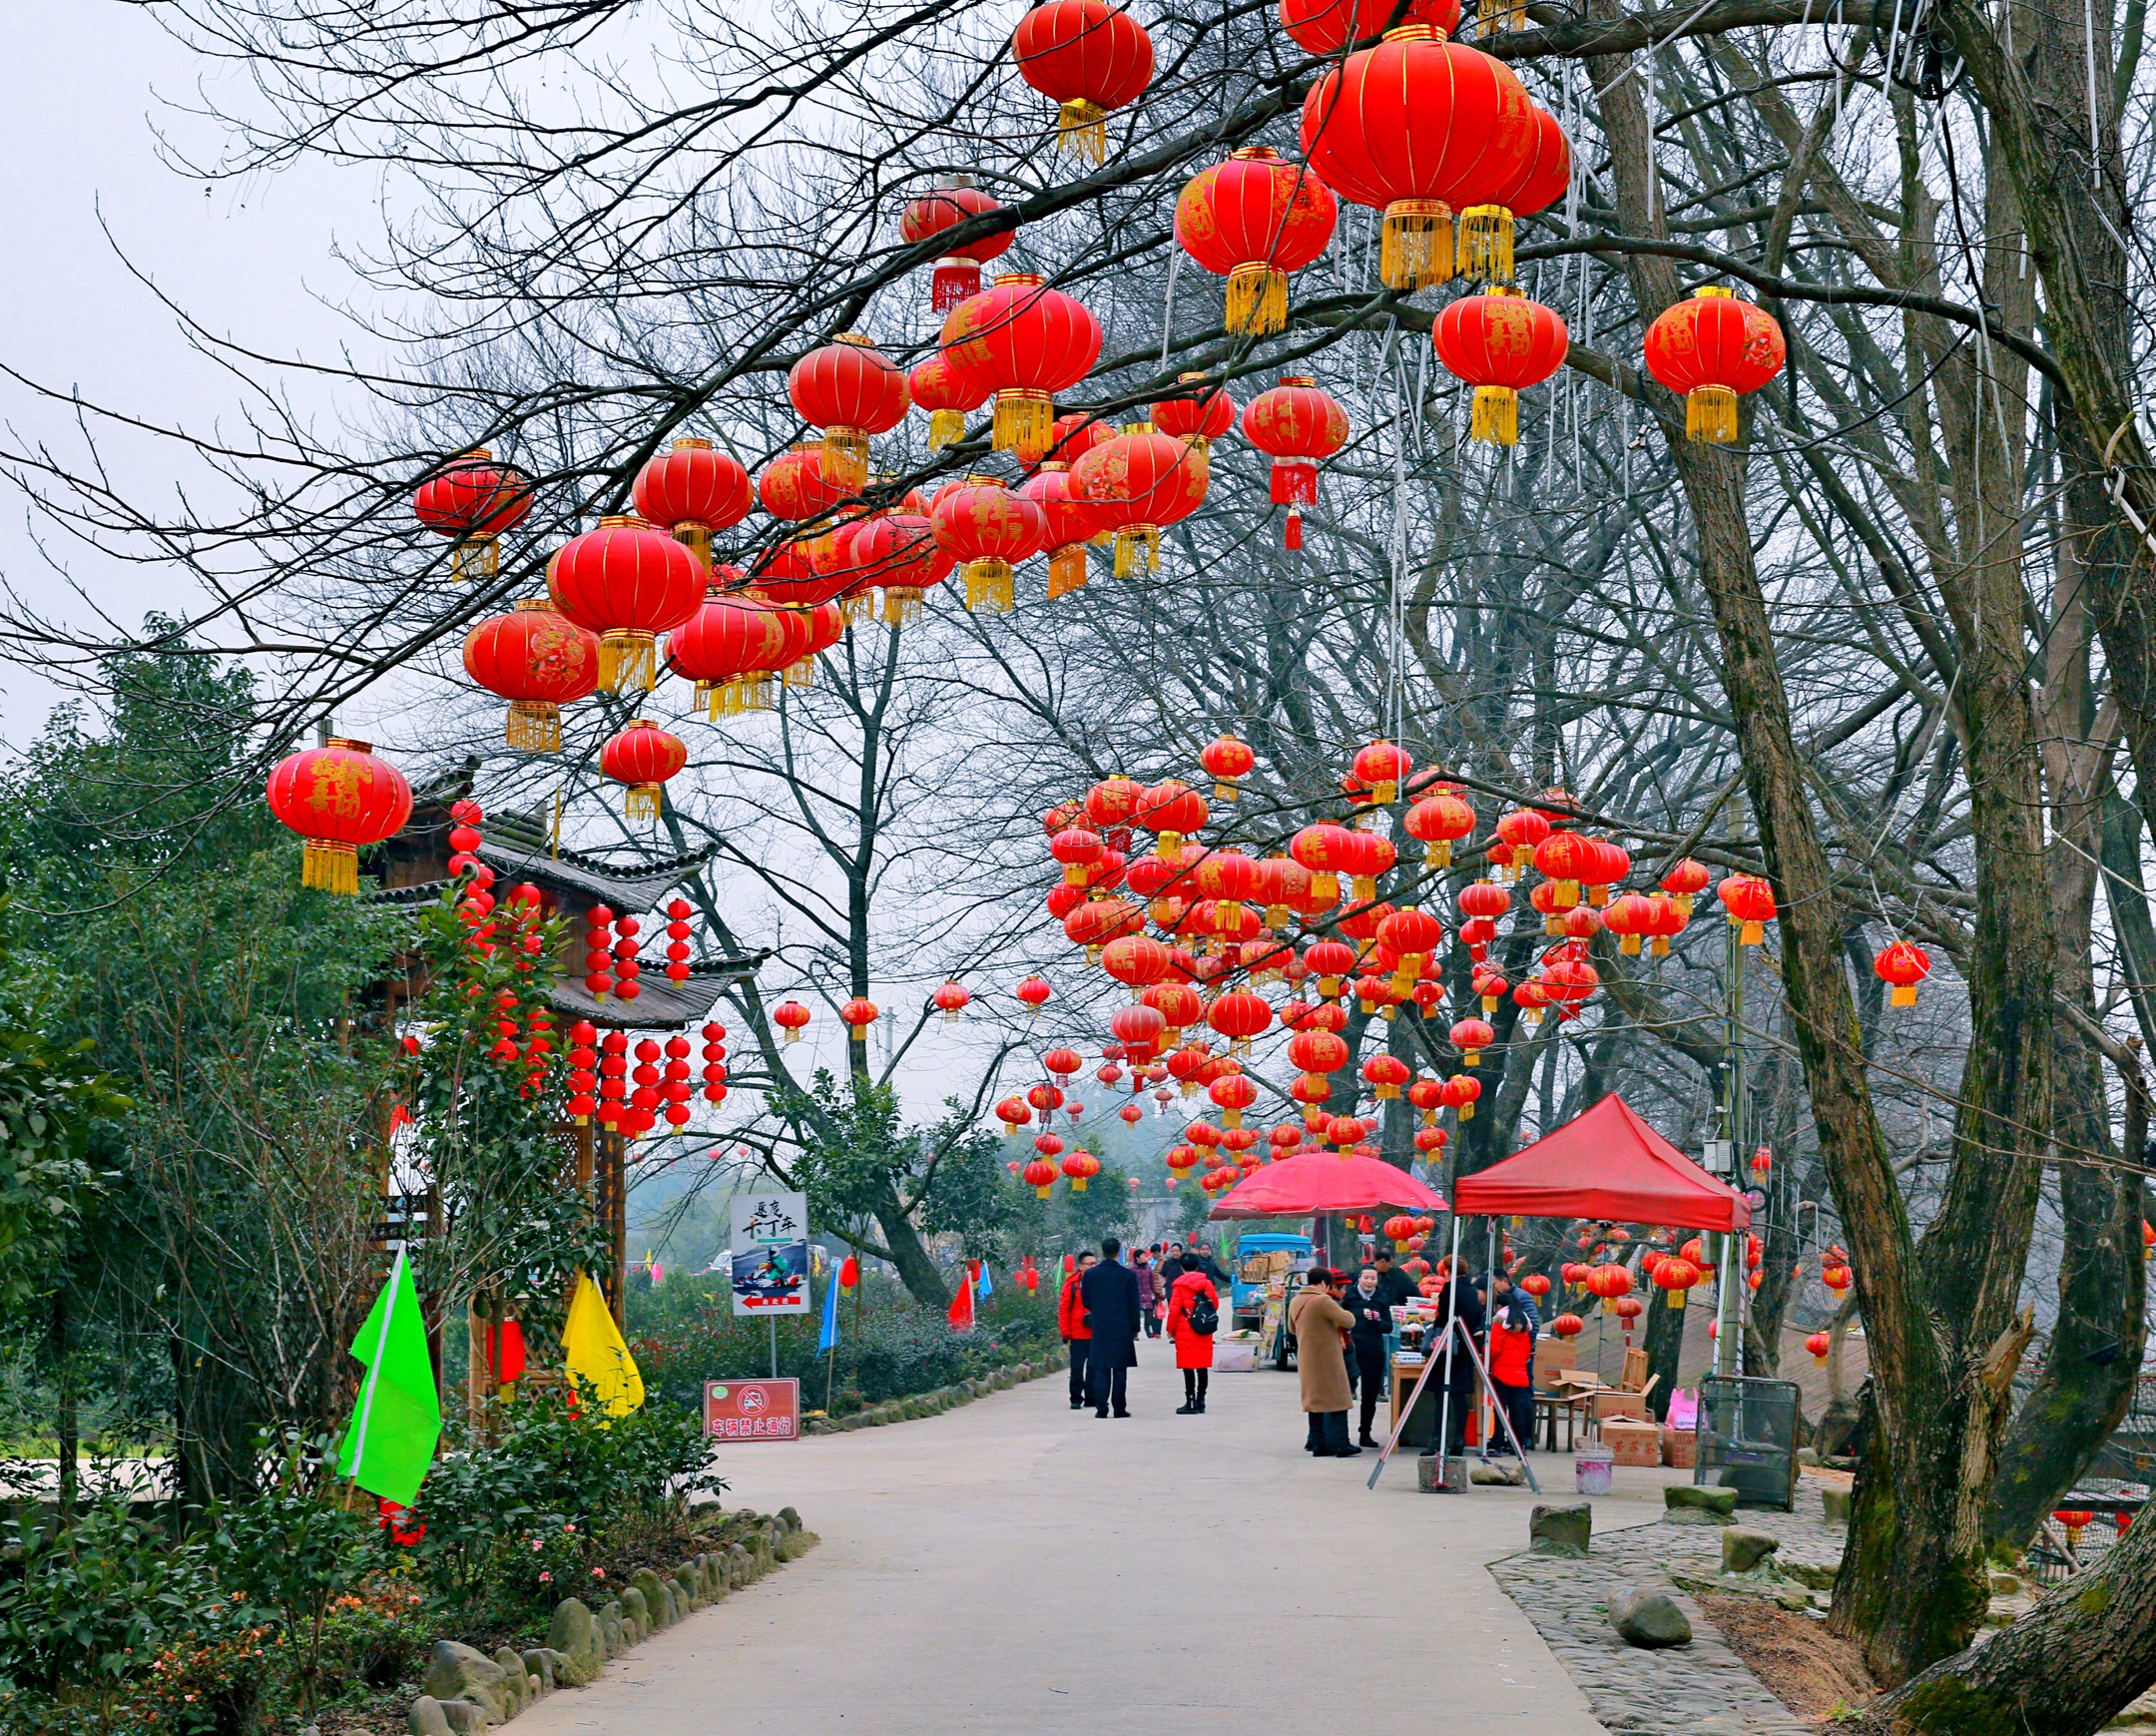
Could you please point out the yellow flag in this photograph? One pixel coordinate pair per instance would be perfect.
(593, 1352)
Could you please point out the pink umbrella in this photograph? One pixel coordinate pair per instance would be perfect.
(1297, 1187)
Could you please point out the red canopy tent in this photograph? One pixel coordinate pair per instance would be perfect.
(1297, 1187)
(1607, 1163)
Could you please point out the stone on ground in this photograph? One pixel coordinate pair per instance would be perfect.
(425, 1717)
(1744, 1551)
(1838, 1506)
(1692, 1505)
(462, 1672)
(1560, 1530)
(576, 1639)
(1648, 1617)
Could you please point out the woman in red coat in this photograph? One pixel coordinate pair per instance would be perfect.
(1192, 1338)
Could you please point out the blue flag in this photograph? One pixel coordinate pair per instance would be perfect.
(987, 1284)
(828, 1337)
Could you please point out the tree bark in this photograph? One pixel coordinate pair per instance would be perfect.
(908, 1256)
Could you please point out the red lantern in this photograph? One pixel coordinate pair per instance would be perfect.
(1032, 995)
(1471, 1036)
(729, 648)
(1025, 342)
(1253, 220)
(1500, 343)
(948, 397)
(1226, 761)
(1297, 425)
(1713, 348)
(1536, 1284)
(472, 502)
(1440, 820)
(1567, 1325)
(1520, 833)
(338, 797)
(1416, 126)
(1069, 522)
(899, 553)
(1684, 879)
(957, 272)
(1385, 1075)
(1177, 1002)
(857, 1015)
(1240, 1016)
(1137, 484)
(1081, 1167)
(984, 524)
(952, 1000)
(1486, 231)
(1040, 1174)
(643, 757)
(538, 660)
(1232, 1095)
(1171, 810)
(1632, 917)
(1904, 964)
(850, 390)
(1836, 1278)
(1327, 26)
(1750, 901)
(628, 583)
(692, 490)
(1460, 1093)
(1208, 414)
(1676, 1275)
(1380, 768)
(790, 1016)
(1818, 1344)
(1608, 1280)
(1089, 59)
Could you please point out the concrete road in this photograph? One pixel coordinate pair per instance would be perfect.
(1018, 1566)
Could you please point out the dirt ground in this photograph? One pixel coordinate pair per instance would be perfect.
(1808, 1669)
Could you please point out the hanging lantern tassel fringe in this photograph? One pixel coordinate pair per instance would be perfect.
(1066, 570)
(1415, 244)
(1025, 423)
(641, 802)
(989, 586)
(957, 280)
(1129, 541)
(946, 428)
(628, 660)
(1496, 415)
(856, 608)
(329, 866)
(801, 674)
(845, 458)
(1486, 242)
(535, 726)
(475, 558)
(1711, 414)
(1257, 299)
(901, 608)
(1291, 536)
(1082, 130)
(696, 538)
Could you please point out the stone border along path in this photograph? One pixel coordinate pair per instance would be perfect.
(467, 1693)
(1701, 1689)
(940, 1400)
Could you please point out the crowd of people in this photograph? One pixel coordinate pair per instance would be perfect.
(1343, 1330)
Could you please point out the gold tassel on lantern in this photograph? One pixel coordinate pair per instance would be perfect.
(329, 866)
(902, 607)
(628, 660)
(641, 802)
(946, 428)
(1676, 1298)
(845, 458)
(1486, 242)
(991, 589)
(1414, 246)
(1066, 570)
(857, 606)
(1082, 130)
(1496, 415)
(535, 726)
(1711, 414)
(696, 538)
(1129, 541)
(1438, 853)
(476, 557)
(802, 673)
(1257, 299)
(1024, 421)
(756, 691)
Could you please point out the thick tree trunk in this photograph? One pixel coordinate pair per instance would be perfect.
(909, 1256)
(2067, 1668)
(1665, 1341)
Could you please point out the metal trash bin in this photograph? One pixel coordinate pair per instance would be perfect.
(1747, 1439)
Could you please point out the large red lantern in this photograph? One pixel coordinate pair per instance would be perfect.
(1440, 822)
(1253, 220)
(628, 583)
(1903, 964)
(850, 390)
(1071, 522)
(1750, 901)
(539, 661)
(794, 486)
(1713, 348)
(1327, 26)
(1226, 761)
(472, 502)
(984, 524)
(957, 272)
(1025, 342)
(1137, 484)
(1296, 424)
(643, 757)
(1090, 59)
(1486, 231)
(1684, 879)
(1240, 1016)
(1200, 419)
(1499, 343)
(729, 648)
(692, 490)
(1171, 810)
(948, 397)
(1081, 1167)
(899, 552)
(337, 797)
(1417, 127)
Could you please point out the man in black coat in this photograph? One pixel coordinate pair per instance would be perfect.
(1394, 1286)
(1109, 1295)
(1459, 1298)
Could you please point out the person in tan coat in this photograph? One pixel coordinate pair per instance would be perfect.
(1317, 1320)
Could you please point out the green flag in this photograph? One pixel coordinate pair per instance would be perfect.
(398, 1419)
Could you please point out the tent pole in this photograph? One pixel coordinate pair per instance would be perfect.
(1445, 1404)
(1489, 1279)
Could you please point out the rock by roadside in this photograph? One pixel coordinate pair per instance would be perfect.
(935, 1403)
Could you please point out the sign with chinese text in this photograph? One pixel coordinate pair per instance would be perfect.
(751, 1410)
(770, 1253)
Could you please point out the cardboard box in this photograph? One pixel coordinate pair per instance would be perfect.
(1632, 1441)
(1680, 1447)
(1601, 1406)
(1552, 1357)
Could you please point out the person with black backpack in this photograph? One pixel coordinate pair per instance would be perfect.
(1193, 1319)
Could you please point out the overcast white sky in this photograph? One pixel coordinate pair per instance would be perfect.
(252, 262)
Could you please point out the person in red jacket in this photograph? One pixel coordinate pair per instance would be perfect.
(1193, 1338)
(1070, 1317)
(1511, 1371)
